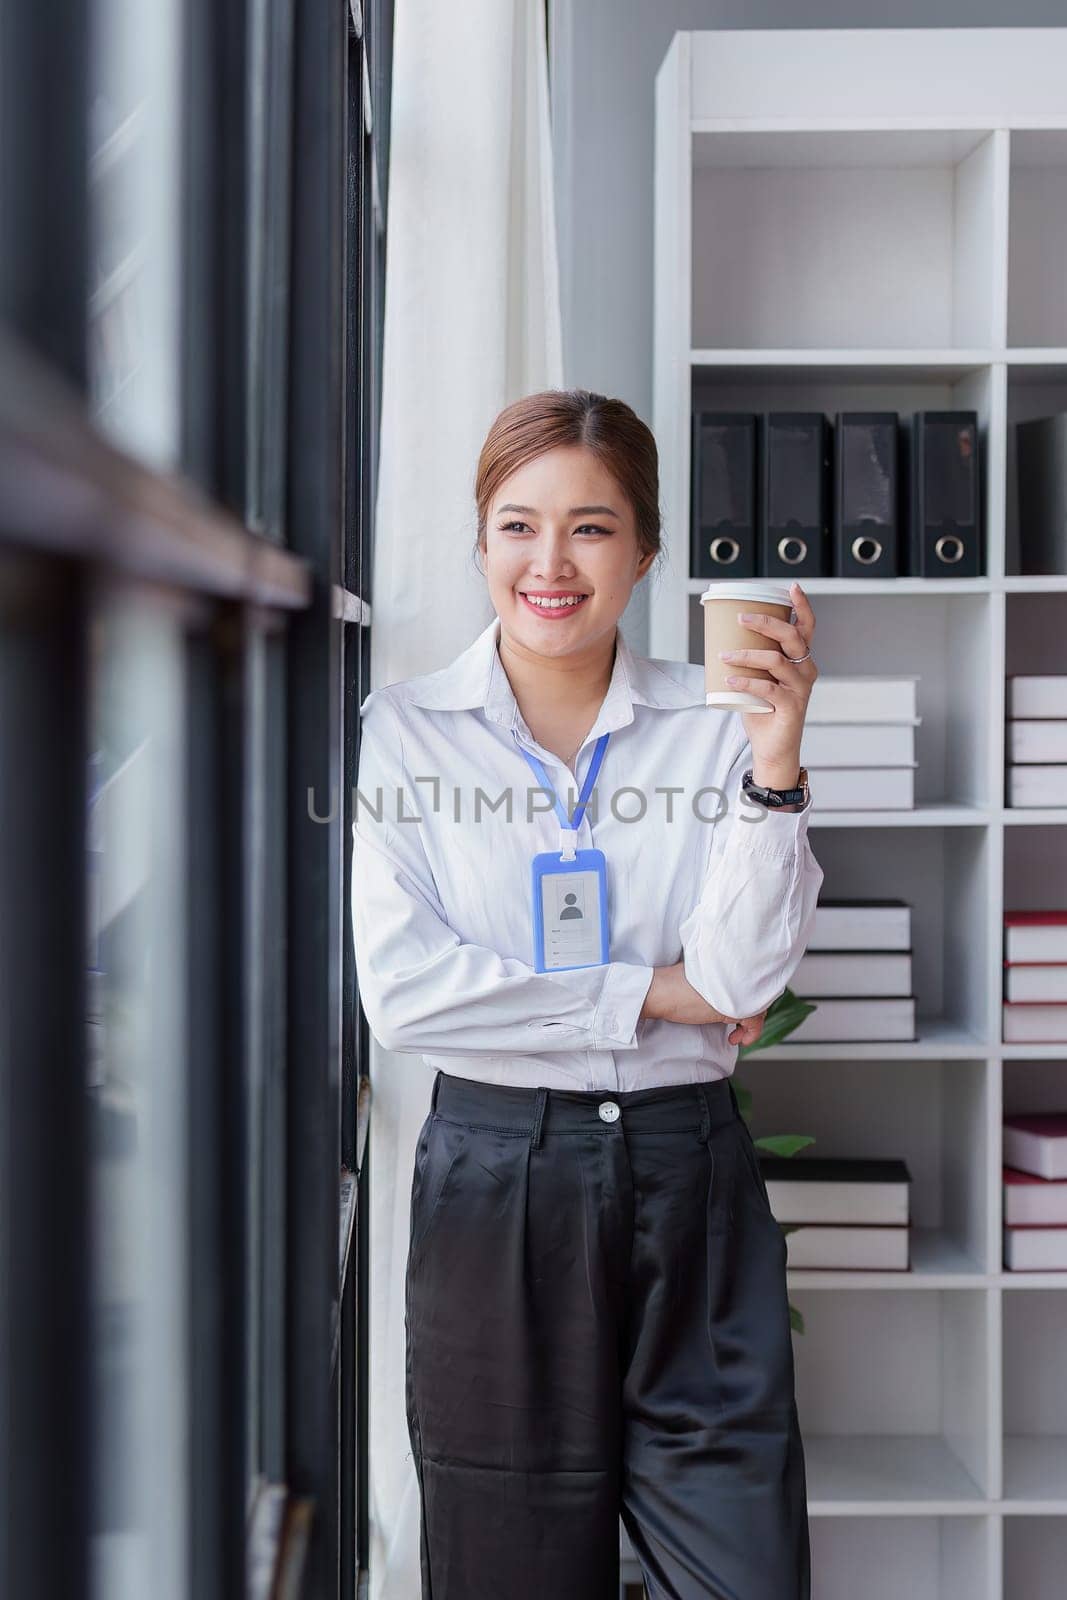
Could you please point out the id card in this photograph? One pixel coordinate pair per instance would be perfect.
(570, 910)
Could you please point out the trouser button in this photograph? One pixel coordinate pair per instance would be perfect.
(609, 1111)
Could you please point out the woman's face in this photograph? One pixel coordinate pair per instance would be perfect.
(560, 526)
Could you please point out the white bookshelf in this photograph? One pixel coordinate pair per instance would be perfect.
(861, 219)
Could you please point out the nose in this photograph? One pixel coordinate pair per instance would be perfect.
(552, 557)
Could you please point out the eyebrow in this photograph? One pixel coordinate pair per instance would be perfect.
(575, 511)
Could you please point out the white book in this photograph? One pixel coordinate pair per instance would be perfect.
(865, 697)
(832, 1248)
(837, 1189)
(1030, 786)
(1033, 1202)
(1035, 1249)
(1042, 936)
(841, 924)
(1037, 741)
(859, 744)
(853, 1021)
(1036, 1141)
(1033, 983)
(1035, 696)
(863, 788)
(1030, 1023)
(853, 972)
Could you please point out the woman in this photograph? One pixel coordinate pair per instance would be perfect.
(597, 1321)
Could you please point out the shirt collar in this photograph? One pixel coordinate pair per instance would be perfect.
(476, 680)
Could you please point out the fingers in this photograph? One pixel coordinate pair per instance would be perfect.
(771, 661)
(795, 636)
(802, 607)
(794, 642)
(747, 1030)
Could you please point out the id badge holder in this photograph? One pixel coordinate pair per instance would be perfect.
(569, 904)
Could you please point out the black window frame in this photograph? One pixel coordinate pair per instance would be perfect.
(267, 528)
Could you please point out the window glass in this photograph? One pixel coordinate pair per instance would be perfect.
(136, 1087)
(134, 225)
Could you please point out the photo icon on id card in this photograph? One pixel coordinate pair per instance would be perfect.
(569, 909)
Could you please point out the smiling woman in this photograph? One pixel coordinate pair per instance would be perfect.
(593, 1268)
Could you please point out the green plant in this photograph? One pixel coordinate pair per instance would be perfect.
(785, 1014)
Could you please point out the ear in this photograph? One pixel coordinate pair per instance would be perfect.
(644, 564)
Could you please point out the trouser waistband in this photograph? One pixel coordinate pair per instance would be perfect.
(533, 1111)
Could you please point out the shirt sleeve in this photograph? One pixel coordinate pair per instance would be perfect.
(426, 991)
(745, 937)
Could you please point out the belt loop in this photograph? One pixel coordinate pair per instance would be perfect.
(542, 1096)
(705, 1117)
(433, 1092)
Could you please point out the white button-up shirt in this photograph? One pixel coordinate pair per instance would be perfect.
(441, 911)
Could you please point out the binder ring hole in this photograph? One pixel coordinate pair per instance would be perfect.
(949, 549)
(792, 550)
(724, 551)
(866, 550)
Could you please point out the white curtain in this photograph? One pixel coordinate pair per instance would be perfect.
(472, 322)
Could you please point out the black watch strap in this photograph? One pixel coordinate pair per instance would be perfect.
(776, 797)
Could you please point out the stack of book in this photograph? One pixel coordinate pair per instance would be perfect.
(845, 1213)
(1036, 743)
(857, 969)
(1035, 1191)
(859, 743)
(1035, 977)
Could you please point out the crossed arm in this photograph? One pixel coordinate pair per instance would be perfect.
(426, 991)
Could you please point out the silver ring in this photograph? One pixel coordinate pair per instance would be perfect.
(795, 659)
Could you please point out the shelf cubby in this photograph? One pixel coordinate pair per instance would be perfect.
(939, 635)
(885, 1381)
(1035, 1557)
(1035, 389)
(933, 1115)
(940, 1555)
(1035, 1399)
(1037, 237)
(805, 239)
(944, 875)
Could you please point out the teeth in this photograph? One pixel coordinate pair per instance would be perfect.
(554, 605)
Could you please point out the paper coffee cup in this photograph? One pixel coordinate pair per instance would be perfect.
(722, 600)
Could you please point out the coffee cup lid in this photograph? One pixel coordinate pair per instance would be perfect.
(771, 594)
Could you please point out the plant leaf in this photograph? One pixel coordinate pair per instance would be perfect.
(796, 1320)
(783, 1144)
(783, 1015)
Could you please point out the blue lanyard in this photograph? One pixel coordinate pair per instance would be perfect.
(587, 786)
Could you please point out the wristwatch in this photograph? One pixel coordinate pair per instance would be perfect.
(778, 799)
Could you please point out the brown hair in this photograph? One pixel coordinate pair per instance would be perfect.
(554, 417)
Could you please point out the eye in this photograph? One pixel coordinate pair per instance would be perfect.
(585, 527)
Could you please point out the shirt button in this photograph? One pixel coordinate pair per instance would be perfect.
(609, 1111)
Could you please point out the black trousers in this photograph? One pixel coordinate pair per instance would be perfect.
(597, 1325)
